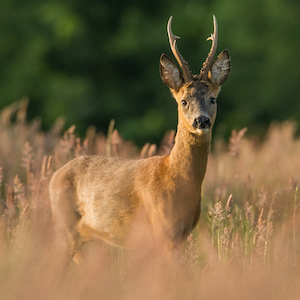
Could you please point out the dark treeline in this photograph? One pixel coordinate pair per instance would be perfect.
(91, 61)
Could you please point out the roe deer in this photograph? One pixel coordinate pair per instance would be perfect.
(102, 197)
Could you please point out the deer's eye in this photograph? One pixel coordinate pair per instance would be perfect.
(213, 100)
(184, 103)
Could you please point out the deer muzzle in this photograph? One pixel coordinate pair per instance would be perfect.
(202, 123)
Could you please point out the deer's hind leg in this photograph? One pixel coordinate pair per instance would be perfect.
(66, 218)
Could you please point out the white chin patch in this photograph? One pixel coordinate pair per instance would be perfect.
(202, 131)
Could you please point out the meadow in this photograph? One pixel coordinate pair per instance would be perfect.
(246, 245)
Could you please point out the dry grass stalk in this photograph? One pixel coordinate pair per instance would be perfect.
(251, 239)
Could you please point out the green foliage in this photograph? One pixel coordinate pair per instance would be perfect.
(91, 61)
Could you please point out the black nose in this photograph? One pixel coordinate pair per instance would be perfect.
(201, 123)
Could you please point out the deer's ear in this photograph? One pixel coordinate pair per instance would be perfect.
(169, 73)
(220, 69)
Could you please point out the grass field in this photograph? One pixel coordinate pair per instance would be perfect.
(246, 246)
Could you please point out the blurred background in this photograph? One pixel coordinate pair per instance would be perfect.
(92, 61)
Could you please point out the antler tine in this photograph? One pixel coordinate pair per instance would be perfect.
(181, 61)
(210, 57)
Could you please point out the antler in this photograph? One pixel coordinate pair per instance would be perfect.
(210, 57)
(181, 61)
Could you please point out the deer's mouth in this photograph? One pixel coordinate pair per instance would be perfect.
(202, 130)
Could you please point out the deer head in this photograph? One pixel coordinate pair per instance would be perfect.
(195, 94)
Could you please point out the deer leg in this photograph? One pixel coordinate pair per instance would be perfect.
(66, 218)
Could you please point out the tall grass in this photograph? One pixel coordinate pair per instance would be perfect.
(246, 246)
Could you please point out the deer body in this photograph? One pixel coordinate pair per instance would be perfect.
(100, 197)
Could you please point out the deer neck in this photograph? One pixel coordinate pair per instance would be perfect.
(188, 158)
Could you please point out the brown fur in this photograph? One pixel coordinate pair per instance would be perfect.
(99, 197)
